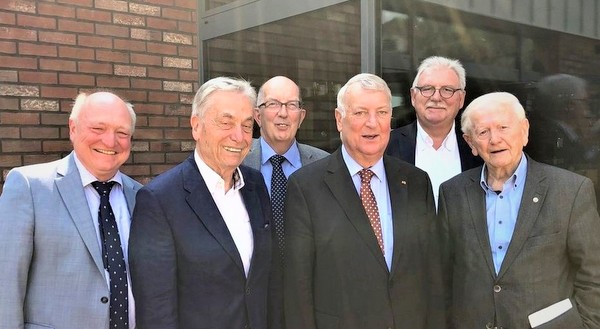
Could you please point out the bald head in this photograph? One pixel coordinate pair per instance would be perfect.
(278, 83)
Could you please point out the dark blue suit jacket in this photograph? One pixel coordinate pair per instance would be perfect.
(403, 141)
(185, 267)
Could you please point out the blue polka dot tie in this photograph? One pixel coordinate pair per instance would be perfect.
(113, 259)
(370, 204)
(278, 188)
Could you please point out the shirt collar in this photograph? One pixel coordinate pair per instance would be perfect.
(450, 143)
(213, 180)
(87, 177)
(517, 179)
(353, 167)
(292, 155)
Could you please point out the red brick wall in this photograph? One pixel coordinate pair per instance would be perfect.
(50, 50)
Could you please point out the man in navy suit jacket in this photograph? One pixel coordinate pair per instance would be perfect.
(200, 248)
(434, 142)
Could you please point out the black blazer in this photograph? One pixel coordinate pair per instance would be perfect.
(335, 275)
(403, 142)
(185, 268)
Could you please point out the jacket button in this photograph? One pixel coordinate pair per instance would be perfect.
(489, 325)
(104, 300)
(497, 288)
(247, 291)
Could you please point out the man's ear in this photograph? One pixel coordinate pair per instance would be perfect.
(257, 116)
(469, 141)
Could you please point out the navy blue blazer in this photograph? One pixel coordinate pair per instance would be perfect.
(185, 267)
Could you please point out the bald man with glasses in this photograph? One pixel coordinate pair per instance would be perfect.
(437, 94)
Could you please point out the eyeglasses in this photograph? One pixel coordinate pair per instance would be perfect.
(445, 92)
(275, 105)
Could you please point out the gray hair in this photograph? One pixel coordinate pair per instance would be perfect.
(81, 99)
(439, 61)
(367, 81)
(553, 93)
(202, 97)
(495, 99)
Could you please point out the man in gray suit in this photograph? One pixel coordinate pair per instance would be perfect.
(521, 237)
(51, 265)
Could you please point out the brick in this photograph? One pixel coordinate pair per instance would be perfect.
(112, 56)
(188, 145)
(177, 86)
(37, 49)
(161, 23)
(159, 169)
(36, 21)
(188, 75)
(189, 4)
(112, 5)
(164, 3)
(162, 73)
(58, 92)
(19, 90)
(144, 34)
(138, 146)
(15, 33)
(163, 121)
(8, 47)
(147, 84)
(56, 119)
(56, 146)
(32, 104)
(187, 51)
(9, 118)
(143, 59)
(39, 158)
(75, 26)
(165, 146)
(187, 27)
(148, 133)
(163, 97)
(10, 160)
(177, 38)
(149, 108)
(135, 96)
(112, 30)
(58, 37)
(38, 77)
(177, 157)
(94, 41)
(96, 68)
(132, 71)
(9, 76)
(9, 103)
(182, 63)
(178, 14)
(9, 132)
(135, 170)
(144, 9)
(178, 109)
(130, 20)
(181, 133)
(79, 3)
(50, 9)
(93, 15)
(19, 146)
(141, 121)
(161, 48)
(146, 157)
(76, 53)
(129, 44)
(8, 18)
(112, 82)
(39, 133)
(21, 5)
(76, 79)
(58, 65)
(187, 98)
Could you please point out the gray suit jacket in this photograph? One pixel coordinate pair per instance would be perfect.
(308, 154)
(51, 272)
(554, 252)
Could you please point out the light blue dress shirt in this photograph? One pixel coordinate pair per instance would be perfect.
(382, 195)
(502, 210)
(292, 161)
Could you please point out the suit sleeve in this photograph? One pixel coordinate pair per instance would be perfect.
(584, 253)
(16, 248)
(299, 260)
(446, 251)
(153, 264)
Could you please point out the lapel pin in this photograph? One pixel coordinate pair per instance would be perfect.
(403, 182)
(535, 199)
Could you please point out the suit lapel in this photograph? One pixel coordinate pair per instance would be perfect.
(202, 204)
(253, 158)
(534, 193)
(476, 200)
(397, 186)
(70, 188)
(409, 145)
(340, 184)
(257, 222)
(129, 191)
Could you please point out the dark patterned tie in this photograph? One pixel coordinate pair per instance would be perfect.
(278, 187)
(113, 259)
(370, 204)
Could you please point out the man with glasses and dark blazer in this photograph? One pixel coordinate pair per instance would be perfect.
(437, 94)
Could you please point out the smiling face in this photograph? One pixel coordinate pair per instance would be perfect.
(278, 126)
(101, 134)
(436, 111)
(365, 129)
(224, 135)
(498, 137)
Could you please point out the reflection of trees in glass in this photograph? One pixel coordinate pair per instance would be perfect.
(470, 44)
(394, 36)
